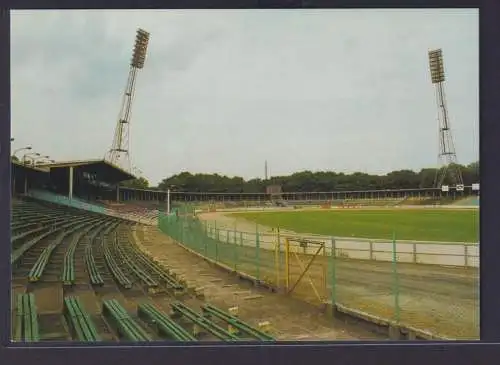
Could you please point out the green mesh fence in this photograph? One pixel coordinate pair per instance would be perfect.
(437, 299)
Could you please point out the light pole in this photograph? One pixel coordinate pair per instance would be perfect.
(29, 155)
(119, 153)
(168, 200)
(25, 174)
(447, 154)
(27, 148)
(169, 188)
(39, 158)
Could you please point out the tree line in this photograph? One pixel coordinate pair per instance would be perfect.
(305, 181)
(140, 183)
(312, 181)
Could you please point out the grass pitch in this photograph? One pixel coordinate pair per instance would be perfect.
(444, 225)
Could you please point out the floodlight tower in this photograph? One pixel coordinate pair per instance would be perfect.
(447, 155)
(119, 152)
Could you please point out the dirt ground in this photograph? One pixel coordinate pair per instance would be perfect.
(442, 300)
(289, 319)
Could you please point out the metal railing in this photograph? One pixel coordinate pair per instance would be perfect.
(440, 300)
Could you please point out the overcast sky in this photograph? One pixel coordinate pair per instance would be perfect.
(224, 90)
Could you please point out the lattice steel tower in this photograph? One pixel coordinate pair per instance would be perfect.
(119, 152)
(447, 155)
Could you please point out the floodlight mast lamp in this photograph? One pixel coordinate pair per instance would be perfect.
(119, 152)
(447, 155)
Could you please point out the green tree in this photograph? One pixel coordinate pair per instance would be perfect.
(314, 181)
(140, 183)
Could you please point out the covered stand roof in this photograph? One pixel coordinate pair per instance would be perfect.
(104, 170)
(27, 168)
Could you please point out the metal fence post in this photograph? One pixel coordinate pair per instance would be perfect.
(466, 255)
(397, 313)
(257, 250)
(176, 225)
(226, 246)
(287, 265)
(216, 236)
(202, 231)
(217, 245)
(235, 253)
(279, 257)
(205, 239)
(333, 274)
(181, 225)
(241, 245)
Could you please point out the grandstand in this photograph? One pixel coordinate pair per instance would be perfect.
(78, 274)
(218, 200)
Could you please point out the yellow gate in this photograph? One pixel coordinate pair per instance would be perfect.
(306, 266)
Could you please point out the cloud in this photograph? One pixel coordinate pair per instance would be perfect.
(223, 90)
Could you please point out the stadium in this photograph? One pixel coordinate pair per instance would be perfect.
(93, 260)
(89, 262)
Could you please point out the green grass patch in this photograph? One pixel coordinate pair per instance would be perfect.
(442, 225)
